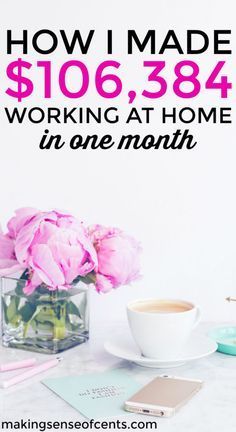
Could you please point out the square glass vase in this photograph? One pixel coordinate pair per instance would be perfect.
(45, 321)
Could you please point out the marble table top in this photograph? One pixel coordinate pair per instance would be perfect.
(212, 409)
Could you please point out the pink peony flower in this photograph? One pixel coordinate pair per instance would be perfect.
(118, 257)
(57, 248)
(8, 262)
(54, 246)
(23, 216)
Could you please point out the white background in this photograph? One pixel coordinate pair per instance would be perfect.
(179, 204)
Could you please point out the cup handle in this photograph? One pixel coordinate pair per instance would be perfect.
(198, 317)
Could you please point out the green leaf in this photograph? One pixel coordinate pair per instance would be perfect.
(45, 313)
(60, 295)
(76, 280)
(72, 309)
(12, 309)
(27, 311)
(19, 289)
(25, 275)
(33, 324)
(5, 311)
(20, 285)
(42, 289)
(88, 279)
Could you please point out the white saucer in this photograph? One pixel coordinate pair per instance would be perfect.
(124, 347)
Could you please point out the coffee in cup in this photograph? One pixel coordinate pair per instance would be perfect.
(161, 327)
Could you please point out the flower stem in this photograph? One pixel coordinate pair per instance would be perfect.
(59, 324)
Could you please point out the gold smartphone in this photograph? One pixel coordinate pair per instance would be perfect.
(163, 396)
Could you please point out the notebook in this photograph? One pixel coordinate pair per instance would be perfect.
(99, 395)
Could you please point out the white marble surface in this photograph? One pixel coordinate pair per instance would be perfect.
(212, 409)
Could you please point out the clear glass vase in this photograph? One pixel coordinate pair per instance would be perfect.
(45, 321)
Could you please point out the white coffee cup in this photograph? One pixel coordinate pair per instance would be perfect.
(161, 327)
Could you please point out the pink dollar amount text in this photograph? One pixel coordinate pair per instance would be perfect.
(186, 82)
